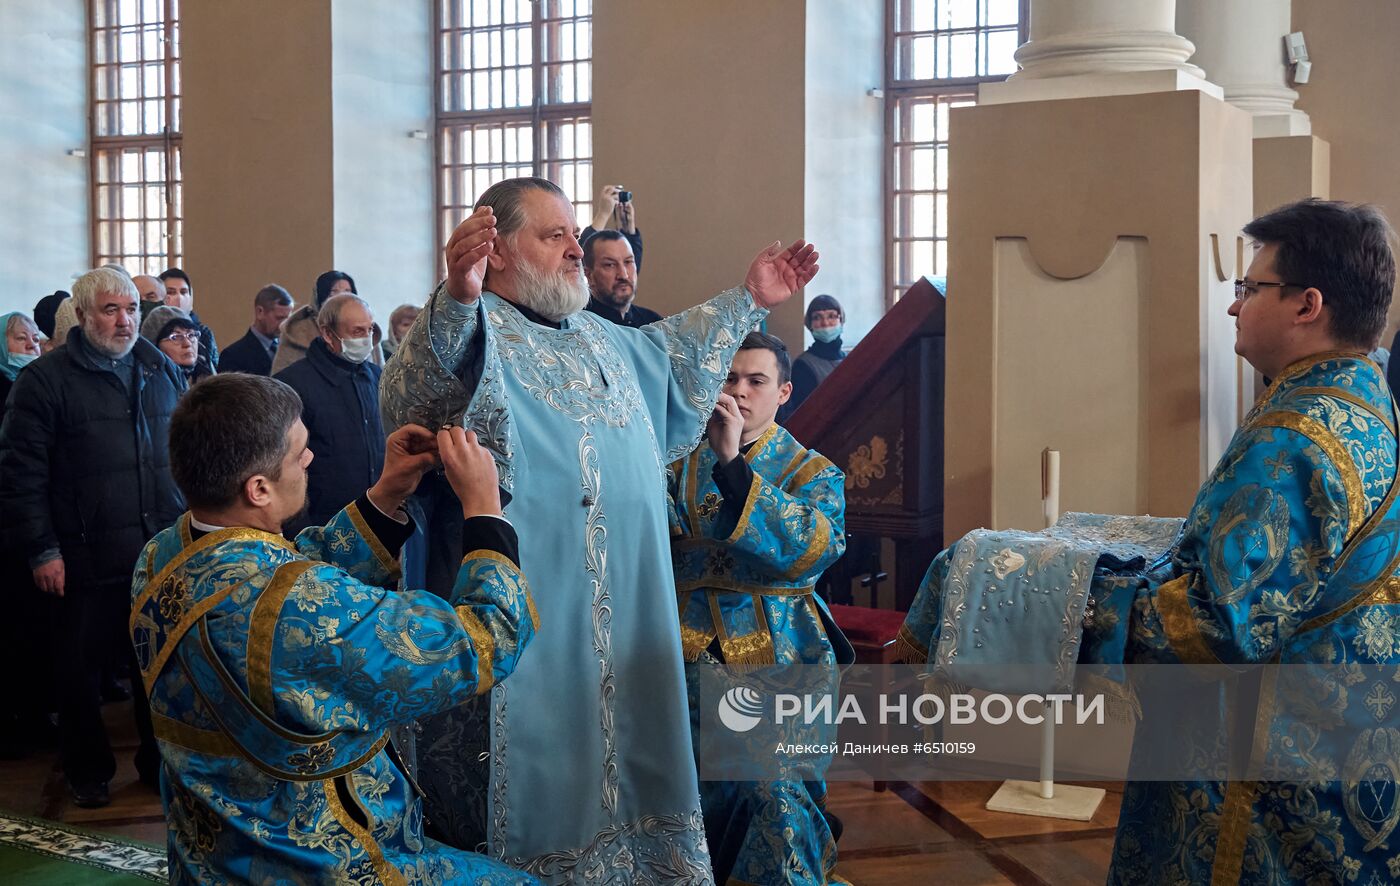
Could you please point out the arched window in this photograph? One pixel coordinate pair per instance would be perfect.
(135, 134)
(514, 94)
(938, 51)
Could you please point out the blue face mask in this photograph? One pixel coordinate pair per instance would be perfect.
(828, 334)
(22, 360)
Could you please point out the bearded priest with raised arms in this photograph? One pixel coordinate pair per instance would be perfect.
(581, 769)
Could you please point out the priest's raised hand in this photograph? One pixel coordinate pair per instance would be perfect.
(467, 248)
(777, 273)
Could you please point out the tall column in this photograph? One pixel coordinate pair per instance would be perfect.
(1093, 271)
(1240, 45)
(1082, 48)
(1103, 37)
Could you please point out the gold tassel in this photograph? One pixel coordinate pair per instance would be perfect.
(907, 649)
(1121, 704)
(748, 651)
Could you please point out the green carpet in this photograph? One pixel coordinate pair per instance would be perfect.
(46, 853)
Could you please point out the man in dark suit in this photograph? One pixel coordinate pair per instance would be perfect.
(253, 352)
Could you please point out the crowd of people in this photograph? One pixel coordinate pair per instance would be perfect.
(434, 604)
(104, 388)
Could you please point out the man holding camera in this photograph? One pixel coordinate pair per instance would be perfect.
(615, 211)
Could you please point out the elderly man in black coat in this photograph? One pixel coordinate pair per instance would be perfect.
(84, 484)
(339, 388)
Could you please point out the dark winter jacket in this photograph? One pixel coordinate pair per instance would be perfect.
(340, 408)
(85, 460)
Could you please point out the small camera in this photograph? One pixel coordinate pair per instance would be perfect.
(624, 196)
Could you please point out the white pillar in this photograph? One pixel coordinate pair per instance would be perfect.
(1103, 37)
(1240, 45)
(1081, 48)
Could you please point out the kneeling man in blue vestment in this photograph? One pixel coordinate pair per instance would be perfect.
(1289, 556)
(276, 667)
(756, 518)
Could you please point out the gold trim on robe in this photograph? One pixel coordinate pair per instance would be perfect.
(262, 626)
(751, 650)
(386, 872)
(389, 562)
(1179, 622)
(1336, 453)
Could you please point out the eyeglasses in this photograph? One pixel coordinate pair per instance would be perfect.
(1245, 288)
(184, 338)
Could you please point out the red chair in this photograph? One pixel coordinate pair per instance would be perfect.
(872, 633)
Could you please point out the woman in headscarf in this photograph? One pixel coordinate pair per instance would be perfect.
(20, 348)
(27, 695)
(177, 335)
(400, 322)
(300, 329)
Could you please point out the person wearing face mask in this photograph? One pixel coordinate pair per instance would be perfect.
(25, 704)
(303, 326)
(179, 293)
(18, 349)
(339, 388)
(826, 321)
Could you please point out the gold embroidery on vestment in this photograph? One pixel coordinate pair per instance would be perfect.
(1179, 622)
(1336, 453)
(386, 872)
(262, 629)
(388, 561)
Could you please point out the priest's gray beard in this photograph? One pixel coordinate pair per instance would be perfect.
(553, 296)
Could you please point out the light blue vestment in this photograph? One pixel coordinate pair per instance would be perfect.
(745, 578)
(1010, 610)
(591, 776)
(275, 670)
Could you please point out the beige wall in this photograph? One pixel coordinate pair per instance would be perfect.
(1352, 96)
(258, 194)
(698, 108)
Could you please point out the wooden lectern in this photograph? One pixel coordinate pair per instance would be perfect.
(879, 417)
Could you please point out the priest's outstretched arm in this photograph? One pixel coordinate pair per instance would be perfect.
(682, 360)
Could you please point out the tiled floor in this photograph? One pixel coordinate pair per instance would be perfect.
(909, 834)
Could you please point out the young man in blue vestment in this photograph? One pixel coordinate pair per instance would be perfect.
(1289, 556)
(756, 517)
(276, 667)
(580, 769)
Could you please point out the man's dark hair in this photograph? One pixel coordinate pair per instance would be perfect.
(606, 235)
(1344, 251)
(766, 342)
(504, 198)
(226, 429)
(177, 274)
(271, 295)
